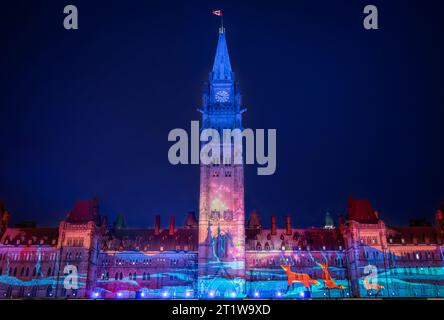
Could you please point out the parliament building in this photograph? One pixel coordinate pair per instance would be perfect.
(221, 252)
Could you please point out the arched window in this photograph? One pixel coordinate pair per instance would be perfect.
(147, 276)
(21, 292)
(15, 272)
(117, 276)
(143, 276)
(49, 272)
(33, 291)
(49, 291)
(9, 292)
(121, 276)
(27, 272)
(63, 292)
(134, 276)
(228, 214)
(34, 272)
(130, 276)
(215, 215)
(22, 272)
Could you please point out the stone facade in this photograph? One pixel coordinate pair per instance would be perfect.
(219, 255)
(119, 262)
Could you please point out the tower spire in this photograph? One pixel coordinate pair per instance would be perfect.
(222, 66)
(221, 29)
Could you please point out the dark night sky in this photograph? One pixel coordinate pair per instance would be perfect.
(87, 113)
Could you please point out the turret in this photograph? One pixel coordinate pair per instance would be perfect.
(329, 224)
(191, 221)
(254, 222)
(120, 222)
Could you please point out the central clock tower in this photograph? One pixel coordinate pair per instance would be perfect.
(221, 255)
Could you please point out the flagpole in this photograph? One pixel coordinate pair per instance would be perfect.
(221, 15)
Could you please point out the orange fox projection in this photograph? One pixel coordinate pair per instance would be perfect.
(328, 280)
(293, 277)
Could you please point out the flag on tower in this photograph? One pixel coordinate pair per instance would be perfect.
(217, 13)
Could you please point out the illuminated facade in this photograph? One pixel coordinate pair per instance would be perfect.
(221, 254)
(218, 254)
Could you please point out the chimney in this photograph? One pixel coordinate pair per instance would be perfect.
(171, 228)
(288, 229)
(5, 218)
(157, 226)
(104, 221)
(340, 220)
(273, 225)
(440, 220)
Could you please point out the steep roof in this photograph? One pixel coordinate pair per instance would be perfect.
(148, 240)
(190, 220)
(254, 221)
(310, 238)
(30, 236)
(222, 66)
(84, 211)
(360, 210)
(422, 234)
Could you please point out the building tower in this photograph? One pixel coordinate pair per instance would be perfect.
(221, 252)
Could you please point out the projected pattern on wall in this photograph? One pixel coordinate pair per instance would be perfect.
(218, 255)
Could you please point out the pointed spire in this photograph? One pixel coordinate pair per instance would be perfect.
(222, 66)
(254, 221)
(191, 221)
(329, 224)
(120, 222)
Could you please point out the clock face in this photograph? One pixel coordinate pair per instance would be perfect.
(222, 96)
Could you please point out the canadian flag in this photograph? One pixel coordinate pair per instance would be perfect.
(217, 13)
